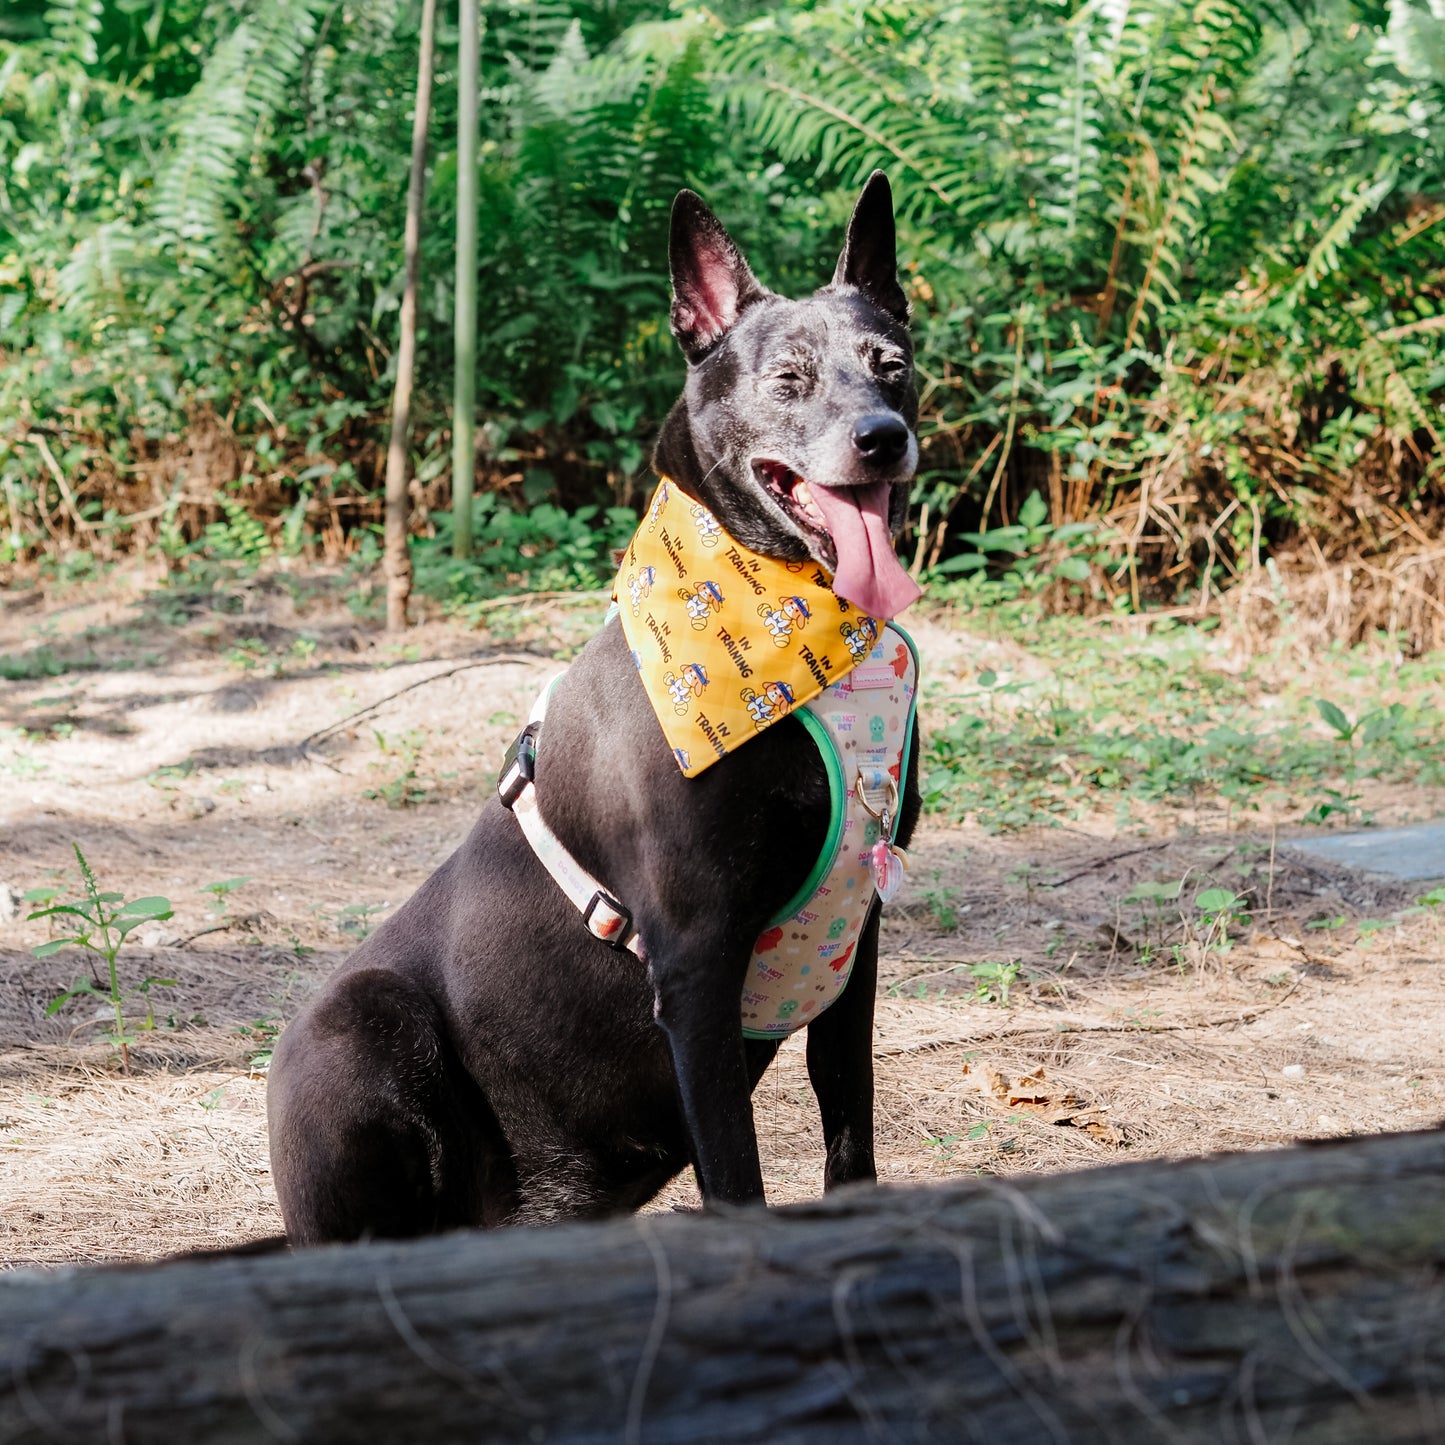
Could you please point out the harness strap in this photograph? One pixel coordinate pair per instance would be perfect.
(604, 916)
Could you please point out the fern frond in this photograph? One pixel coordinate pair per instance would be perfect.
(247, 80)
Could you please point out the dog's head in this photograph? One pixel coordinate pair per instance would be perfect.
(799, 415)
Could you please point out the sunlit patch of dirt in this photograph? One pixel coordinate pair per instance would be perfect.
(1031, 1015)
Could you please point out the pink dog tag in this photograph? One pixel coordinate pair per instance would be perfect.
(887, 864)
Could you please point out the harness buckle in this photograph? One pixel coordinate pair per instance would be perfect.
(606, 919)
(519, 766)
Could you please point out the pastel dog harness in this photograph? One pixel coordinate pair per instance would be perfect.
(728, 642)
(863, 727)
(859, 714)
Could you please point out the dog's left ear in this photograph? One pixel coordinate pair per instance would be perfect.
(870, 254)
(711, 283)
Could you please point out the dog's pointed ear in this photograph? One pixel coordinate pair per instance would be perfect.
(870, 253)
(711, 283)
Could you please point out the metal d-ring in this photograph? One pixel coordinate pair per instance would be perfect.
(889, 809)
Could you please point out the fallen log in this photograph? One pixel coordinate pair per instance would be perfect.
(1252, 1297)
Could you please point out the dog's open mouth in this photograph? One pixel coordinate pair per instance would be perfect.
(849, 527)
(794, 494)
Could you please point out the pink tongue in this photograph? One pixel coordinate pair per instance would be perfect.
(869, 573)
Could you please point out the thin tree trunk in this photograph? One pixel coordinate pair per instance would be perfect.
(465, 397)
(1270, 1297)
(398, 558)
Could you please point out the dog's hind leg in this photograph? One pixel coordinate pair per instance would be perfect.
(376, 1130)
(840, 1066)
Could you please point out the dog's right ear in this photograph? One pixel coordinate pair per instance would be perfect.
(711, 283)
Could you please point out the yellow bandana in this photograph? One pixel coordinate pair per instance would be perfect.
(727, 641)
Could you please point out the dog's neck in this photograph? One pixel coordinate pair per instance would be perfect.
(675, 455)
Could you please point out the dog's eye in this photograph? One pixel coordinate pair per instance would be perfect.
(889, 364)
(788, 378)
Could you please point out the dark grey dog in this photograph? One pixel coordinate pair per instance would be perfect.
(481, 1058)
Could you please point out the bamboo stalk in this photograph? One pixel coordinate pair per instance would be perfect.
(397, 557)
(465, 393)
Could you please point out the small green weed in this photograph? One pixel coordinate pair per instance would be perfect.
(1221, 911)
(944, 1144)
(222, 890)
(105, 922)
(942, 903)
(993, 981)
(354, 919)
(261, 1034)
(406, 788)
(250, 654)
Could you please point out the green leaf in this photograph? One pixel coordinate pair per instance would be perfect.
(60, 908)
(964, 562)
(146, 908)
(44, 950)
(1334, 717)
(229, 885)
(80, 986)
(1215, 900)
(1075, 569)
(987, 677)
(1034, 512)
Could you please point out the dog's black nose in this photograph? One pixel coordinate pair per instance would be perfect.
(880, 439)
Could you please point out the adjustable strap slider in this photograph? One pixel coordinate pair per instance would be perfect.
(519, 766)
(608, 920)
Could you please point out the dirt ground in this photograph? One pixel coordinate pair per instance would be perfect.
(202, 741)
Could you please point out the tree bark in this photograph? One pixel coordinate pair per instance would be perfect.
(1248, 1298)
(398, 511)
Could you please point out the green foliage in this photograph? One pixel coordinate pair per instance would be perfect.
(544, 549)
(104, 922)
(1094, 722)
(1175, 267)
(1139, 237)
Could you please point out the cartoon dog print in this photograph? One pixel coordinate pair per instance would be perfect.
(639, 586)
(655, 510)
(790, 613)
(706, 597)
(766, 706)
(684, 686)
(709, 529)
(860, 637)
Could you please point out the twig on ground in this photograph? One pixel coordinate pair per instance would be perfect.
(306, 743)
(1102, 862)
(1249, 1016)
(244, 920)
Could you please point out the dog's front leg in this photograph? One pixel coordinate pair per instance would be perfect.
(697, 1008)
(840, 1066)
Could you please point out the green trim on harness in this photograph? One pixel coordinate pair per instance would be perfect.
(837, 798)
(838, 793)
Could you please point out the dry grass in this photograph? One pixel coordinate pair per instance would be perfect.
(1104, 1051)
